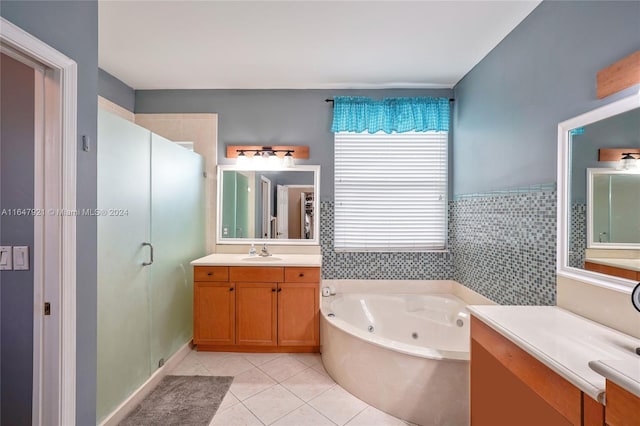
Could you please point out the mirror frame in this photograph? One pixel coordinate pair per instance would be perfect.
(591, 243)
(315, 241)
(564, 166)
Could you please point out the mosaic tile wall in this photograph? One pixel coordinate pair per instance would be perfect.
(377, 266)
(578, 235)
(504, 245)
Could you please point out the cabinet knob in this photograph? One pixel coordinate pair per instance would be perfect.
(273, 290)
(279, 290)
(231, 288)
(209, 273)
(301, 274)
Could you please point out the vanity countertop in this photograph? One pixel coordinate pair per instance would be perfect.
(624, 373)
(563, 341)
(234, 259)
(631, 264)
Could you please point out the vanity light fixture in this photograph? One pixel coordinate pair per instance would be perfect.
(629, 161)
(268, 157)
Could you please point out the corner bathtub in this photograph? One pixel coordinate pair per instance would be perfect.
(406, 354)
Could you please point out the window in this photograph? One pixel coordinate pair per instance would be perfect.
(390, 191)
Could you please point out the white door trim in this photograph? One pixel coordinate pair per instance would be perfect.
(56, 273)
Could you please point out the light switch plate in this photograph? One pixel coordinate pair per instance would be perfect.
(21, 258)
(6, 256)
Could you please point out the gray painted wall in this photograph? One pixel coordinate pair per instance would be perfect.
(16, 159)
(269, 117)
(544, 72)
(72, 28)
(115, 90)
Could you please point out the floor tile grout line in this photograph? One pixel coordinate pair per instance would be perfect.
(357, 414)
(289, 412)
(316, 410)
(255, 394)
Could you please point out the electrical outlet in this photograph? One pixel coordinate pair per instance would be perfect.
(6, 258)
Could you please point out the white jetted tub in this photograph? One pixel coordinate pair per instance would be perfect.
(406, 354)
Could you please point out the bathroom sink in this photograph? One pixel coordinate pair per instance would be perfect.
(262, 259)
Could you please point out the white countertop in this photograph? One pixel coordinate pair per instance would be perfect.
(624, 373)
(631, 264)
(234, 259)
(563, 341)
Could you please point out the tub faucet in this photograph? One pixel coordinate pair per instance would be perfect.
(264, 252)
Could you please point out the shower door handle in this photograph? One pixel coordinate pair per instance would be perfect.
(150, 262)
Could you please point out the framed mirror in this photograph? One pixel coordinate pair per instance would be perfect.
(274, 206)
(589, 213)
(613, 208)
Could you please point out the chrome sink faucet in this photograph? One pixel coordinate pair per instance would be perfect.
(264, 252)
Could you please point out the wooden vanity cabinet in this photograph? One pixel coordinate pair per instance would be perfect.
(623, 407)
(511, 387)
(256, 309)
(273, 309)
(612, 270)
(214, 306)
(298, 308)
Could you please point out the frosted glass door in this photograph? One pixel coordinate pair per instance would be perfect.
(178, 237)
(123, 225)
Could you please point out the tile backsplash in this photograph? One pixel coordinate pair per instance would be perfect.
(577, 235)
(501, 245)
(375, 265)
(504, 245)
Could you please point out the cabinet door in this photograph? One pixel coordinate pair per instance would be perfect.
(256, 314)
(298, 321)
(214, 313)
(511, 387)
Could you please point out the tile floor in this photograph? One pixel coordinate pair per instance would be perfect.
(281, 390)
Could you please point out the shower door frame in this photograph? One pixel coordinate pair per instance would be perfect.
(53, 259)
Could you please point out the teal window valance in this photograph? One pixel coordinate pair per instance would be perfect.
(399, 115)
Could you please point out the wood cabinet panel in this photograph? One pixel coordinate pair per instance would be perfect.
(623, 408)
(259, 274)
(256, 313)
(612, 270)
(498, 397)
(214, 313)
(619, 75)
(210, 273)
(302, 275)
(557, 393)
(592, 412)
(298, 318)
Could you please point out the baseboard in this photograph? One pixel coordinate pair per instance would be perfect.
(136, 397)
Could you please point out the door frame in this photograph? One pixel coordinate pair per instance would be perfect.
(54, 258)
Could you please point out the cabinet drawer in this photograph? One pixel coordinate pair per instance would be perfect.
(302, 275)
(211, 273)
(259, 274)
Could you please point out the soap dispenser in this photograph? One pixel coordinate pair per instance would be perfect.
(252, 250)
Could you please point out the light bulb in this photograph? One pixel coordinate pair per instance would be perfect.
(257, 160)
(288, 160)
(273, 160)
(243, 160)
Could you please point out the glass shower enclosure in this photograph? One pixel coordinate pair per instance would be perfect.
(150, 226)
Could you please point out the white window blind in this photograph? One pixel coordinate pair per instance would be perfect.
(390, 191)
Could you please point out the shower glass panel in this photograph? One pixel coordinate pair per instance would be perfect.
(150, 190)
(123, 335)
(177, 232)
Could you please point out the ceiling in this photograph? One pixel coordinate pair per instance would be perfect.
(300, 44)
